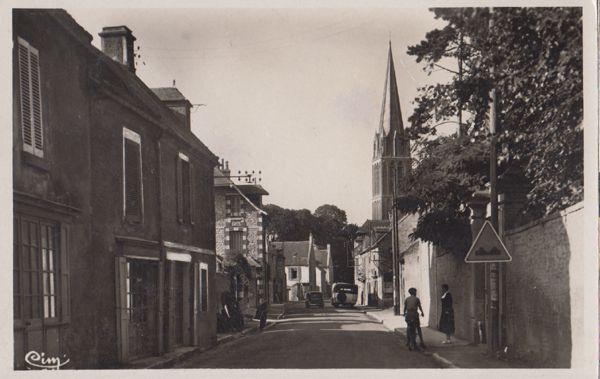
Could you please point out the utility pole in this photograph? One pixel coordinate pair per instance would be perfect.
(494, 267)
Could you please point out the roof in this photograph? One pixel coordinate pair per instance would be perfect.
(117, 79)
(294, 252)
(168, 94)
(368, 225)
(222, 182)
(321, 257)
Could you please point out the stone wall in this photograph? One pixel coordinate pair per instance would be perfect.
(538, 294)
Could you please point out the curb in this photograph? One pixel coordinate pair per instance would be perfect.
(445, 363)
(167, 363)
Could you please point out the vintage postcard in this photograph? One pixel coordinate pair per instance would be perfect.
(406, 188)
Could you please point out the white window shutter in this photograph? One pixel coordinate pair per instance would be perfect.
(36, 102)
(31, 99)
(25, 86)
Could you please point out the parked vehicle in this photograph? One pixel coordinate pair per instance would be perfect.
(344, 294)
(314, 298)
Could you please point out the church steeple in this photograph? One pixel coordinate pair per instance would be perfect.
(391, 116)
(390, 148)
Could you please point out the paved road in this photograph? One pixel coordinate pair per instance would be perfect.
(315, 338)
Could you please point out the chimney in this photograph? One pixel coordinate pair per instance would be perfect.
(117, 43)
(225, 170)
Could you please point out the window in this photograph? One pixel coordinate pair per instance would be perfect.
(293, 273)
(133, 202)
(40, 272)
(184, 189)
(235, 241)
(31, 98)
(234, 205)
(203, 280)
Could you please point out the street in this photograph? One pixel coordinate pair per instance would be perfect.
(315, 338)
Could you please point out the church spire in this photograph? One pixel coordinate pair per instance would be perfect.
(391, 116)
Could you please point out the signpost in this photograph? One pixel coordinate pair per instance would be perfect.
(488, 247)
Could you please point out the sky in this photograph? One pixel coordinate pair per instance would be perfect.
(293, 93)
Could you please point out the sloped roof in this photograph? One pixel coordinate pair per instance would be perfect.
(169, 94)
(294, 252)
(116, 78)
(321, 257)
(368, 225)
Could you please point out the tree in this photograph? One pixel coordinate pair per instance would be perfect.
(328, 225)
(533, 58)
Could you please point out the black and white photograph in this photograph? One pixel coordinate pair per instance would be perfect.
(406, 188)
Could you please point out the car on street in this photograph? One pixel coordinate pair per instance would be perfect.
(314, 298)
(344, 294)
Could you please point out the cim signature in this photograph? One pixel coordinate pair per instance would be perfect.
(40, 361)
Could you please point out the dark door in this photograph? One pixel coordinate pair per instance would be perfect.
(142, 304)
(178, 299)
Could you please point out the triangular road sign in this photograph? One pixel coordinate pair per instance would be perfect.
(488, 247)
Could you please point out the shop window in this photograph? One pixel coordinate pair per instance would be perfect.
(40, 272)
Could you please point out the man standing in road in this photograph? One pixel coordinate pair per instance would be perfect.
(412, 306)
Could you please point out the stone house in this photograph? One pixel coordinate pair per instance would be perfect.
(112, 191)
(239, 231)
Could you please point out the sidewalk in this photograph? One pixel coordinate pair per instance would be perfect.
(275, 312)
(459, 354)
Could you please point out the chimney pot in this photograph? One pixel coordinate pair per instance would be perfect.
(117, 43)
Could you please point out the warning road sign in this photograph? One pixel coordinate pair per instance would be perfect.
(488, 247)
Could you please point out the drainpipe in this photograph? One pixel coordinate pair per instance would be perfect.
(162, 304)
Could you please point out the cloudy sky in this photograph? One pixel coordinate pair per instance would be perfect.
(295, 93)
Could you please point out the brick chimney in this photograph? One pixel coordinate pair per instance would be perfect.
(117, 43)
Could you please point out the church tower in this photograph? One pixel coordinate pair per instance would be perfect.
(391, 149)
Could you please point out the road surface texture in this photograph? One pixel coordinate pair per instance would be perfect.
(315, 338)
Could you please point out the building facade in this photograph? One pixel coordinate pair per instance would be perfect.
(373, 264)
(90, 138)
(239, 232)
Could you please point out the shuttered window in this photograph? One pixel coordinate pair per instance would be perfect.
(235, 241)
(31, 98)
(184, 189)
(132, 176)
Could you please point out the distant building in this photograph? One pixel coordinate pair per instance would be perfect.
(307, 267)
(373, 264)
(276, 277)
(239, 232)
(113, 203)
(324, 267)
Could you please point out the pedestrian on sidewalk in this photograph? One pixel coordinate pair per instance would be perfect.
(412, 306)
(262, 313)
(447, 318)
